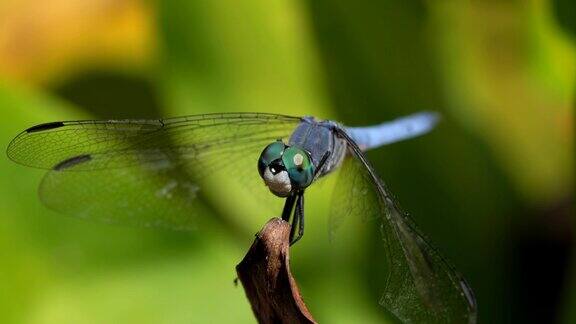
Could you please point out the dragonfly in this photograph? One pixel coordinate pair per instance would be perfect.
(151, 172)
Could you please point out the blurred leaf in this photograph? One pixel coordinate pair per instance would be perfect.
(190, 289)
(512, 82)
(23, 265)
(229, 56)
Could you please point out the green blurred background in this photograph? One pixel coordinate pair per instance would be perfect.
(493, 186)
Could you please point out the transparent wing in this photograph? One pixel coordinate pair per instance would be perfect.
(146, 172)
(421, 285)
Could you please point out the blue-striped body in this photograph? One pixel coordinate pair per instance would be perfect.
(393, 131)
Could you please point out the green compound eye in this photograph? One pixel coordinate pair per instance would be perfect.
(270, 153)
(300, 168)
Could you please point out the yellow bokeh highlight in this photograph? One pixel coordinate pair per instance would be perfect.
(43, 41)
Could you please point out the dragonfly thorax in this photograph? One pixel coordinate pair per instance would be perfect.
(285, 169)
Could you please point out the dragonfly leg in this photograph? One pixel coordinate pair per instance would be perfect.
(293, 230)
(288, 205)
(298, 220)
(301, 221)
(321, 164)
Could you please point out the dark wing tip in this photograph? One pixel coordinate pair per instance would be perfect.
(70, 162)
(43, 127)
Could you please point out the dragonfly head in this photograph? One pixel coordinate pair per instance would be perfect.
(285, 168)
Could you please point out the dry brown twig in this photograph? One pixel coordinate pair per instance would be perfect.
(267, 280)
